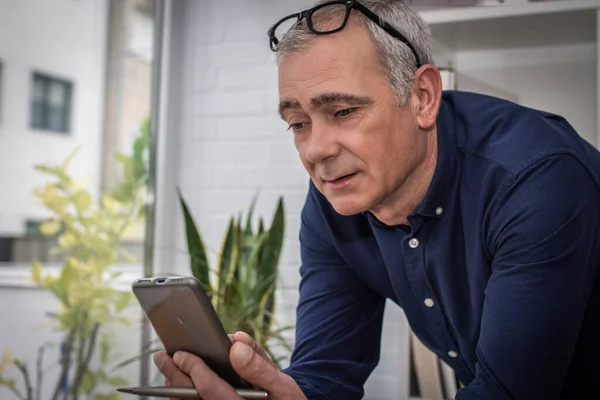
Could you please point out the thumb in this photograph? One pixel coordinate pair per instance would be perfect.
(263, 374)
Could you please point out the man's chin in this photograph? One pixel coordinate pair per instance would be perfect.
(347, 202)
(347, 208)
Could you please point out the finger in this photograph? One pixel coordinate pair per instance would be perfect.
(262, 373)
(173, 375)
(231, 337)
(208, 384)
(254, 345)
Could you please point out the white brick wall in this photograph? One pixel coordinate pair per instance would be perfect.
(225, 142)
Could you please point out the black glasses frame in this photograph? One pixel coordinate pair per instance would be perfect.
(350, 5)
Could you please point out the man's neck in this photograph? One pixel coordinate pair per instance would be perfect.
(413, 190)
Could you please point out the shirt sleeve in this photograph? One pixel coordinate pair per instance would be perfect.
(339, 319)
(543, 237)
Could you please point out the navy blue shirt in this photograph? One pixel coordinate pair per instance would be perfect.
(496, 274)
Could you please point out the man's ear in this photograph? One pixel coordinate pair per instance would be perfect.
(427, 92)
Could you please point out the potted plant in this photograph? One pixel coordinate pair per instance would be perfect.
(89, 236)
(242, 284)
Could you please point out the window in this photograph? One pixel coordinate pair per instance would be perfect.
(32, 229)
(50, 103)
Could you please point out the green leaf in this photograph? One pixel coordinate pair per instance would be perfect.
(53, 200)
(88, 382)
(7, 382)
(250, 213)
(60, 291)
(261, 227)
(104, 349)
(228, 266)
(139, 166)
(124, 192)
(196, 248)
(127, 163)
(145, 126)
(6, 359)
(225, 263)
(266, 310)
(82, 199)
(55, 171)
(36, 271)
(254, 263)
(50, 227)
(68, 274)
(266, 260)
(122, 158)
(273, 246)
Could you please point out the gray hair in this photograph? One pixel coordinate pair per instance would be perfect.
(395, 57)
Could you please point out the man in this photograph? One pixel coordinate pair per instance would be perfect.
(479, 217)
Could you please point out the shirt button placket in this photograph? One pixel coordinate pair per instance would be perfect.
(413, 243)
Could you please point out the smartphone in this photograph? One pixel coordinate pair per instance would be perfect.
(184, 319)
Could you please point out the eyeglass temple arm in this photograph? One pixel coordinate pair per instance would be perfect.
(384, 25)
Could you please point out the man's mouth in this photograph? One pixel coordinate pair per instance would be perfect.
(341, 178)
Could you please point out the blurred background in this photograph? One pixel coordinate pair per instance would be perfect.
(113, 112)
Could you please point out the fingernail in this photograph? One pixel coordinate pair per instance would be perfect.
(177, 358)
(159, 359)
(242, 353)
(250, 340)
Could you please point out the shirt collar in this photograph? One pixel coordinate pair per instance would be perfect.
(436, 197)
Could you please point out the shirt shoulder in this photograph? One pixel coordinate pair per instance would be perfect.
(511, 136)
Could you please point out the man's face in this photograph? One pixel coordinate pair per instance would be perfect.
(354, 140)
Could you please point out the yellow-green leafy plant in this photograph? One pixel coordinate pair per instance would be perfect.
(89, 234)
(242, 289)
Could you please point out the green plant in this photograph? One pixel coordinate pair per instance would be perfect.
(245, 277)
(89, 235)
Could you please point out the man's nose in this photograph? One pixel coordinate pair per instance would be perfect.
(321, 144)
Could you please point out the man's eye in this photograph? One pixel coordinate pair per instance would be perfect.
(296, 126)
(345, 112)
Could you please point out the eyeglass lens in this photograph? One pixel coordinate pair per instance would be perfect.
(324, 20)
(284, 27)
(329, 18)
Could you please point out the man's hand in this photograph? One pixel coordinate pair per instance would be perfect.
(247, 358)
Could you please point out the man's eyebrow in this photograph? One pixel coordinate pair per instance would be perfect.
(287, 104)
(326, 98)
(347, 98)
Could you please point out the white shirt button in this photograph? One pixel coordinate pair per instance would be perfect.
(414, 243)
(439, 211)
(428, 302)
(452, 354)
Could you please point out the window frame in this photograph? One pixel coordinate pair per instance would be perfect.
(48, 80)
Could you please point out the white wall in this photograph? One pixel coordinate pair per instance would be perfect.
(519, 59)
(224, 141)
(62, 38)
